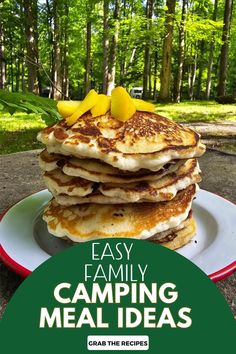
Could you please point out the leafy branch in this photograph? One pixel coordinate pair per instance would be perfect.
(30, 103)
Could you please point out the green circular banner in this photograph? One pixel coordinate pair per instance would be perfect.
(117, 295)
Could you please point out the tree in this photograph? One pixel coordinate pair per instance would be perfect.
(147, 49)
(224, 49)
(179, 74)
(80, 44)
(192, 68)
(31, 33)
(201, 68)
(105, 46)
(211, 55)
(88, 57)
(65, 52)
(2, 55)
(167, 51)
(113, 49)
(56, 61)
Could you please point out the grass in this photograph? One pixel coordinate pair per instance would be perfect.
(197, 111)
(18, 132)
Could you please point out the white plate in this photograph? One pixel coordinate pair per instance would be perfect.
(26, 243)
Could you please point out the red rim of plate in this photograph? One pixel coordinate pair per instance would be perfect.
(24, 272)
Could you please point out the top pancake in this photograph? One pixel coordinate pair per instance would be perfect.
(147, 140)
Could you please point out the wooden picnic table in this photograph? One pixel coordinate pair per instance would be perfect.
(21, 176)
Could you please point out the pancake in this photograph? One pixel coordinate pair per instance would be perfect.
(98, 171)
(169, 234)
(155, 191)
(182, 237)
(59, 183)
(50, 162)
(56, 148)
(173, 238)
(177, 237)
(95, 197)
(90, 222)
(147, 140)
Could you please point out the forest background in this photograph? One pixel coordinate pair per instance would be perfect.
(176, 50)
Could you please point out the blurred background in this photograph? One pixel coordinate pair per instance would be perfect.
(180, 54)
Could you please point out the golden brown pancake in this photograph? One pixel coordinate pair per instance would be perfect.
(89, 222)
(49, 162)
(147, 140)
(98, 171)
(182, 237)
(160, 190)
(177, 237)
(170, 234)
(59, 183)
(155, 191)
(173, 238)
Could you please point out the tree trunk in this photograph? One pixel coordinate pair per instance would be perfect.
(179, 75)
(122, 70)
(122, 50)
(17, 73)
(192, 77)
(113, 52)
(88, 57)
(31, 33)
(105, 46)
(50, 52)
(56, 64)
(2, 57)
(211, 56)
(155, 75)
(167, 51)
(11, 82)
(65, 79)
(224, 49)
(147, 50)
(200, 70)
(23, 73)
(132, 55)
(150, 78)
(22, 52)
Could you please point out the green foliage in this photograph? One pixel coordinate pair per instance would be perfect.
(133, 35)
(199, 28)
(30, 103)
(232, 55)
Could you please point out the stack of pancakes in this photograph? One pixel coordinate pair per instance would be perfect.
(134, 179)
